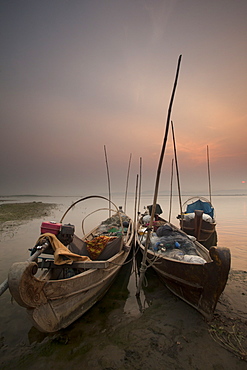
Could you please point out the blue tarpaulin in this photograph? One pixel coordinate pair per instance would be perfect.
(202, 206)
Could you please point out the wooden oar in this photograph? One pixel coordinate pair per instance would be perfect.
(39, 249)
(143, 263)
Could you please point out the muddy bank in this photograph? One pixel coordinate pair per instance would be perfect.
(167, 333)
(172, 335)
(13, 214)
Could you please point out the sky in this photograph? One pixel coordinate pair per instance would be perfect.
(78, 76)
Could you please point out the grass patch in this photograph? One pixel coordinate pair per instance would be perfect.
(24, 211)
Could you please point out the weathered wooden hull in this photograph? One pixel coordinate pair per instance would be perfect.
(206, 234)
(200, 285)
(203, 230)
(55, 304)
(56, 293)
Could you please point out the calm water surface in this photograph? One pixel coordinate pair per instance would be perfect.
(17, 333)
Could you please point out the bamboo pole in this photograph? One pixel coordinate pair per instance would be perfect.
(127, 183)
(108, 179)
(143, 263)
(177, 171)
(86, 198)
(170, 210)
(135, 208)
(209, 178)
(140, 184)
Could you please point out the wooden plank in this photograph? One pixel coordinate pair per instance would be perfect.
(78, 265)
(90, 264)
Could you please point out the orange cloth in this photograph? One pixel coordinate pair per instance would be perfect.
(97, 245)
(62, 255)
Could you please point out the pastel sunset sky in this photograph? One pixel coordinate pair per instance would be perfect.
(80, 74)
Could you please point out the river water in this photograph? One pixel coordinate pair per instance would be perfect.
(16, 332)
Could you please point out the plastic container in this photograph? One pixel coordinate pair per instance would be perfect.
(50, 227)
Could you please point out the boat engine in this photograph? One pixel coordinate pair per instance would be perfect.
(66, 233)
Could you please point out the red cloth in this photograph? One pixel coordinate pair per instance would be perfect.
(97, 245)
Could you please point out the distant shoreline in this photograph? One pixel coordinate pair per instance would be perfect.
(4, 198)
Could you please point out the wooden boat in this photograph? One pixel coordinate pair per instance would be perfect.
(73, 273)
(191, 271)
(188, 269)
(198, 220)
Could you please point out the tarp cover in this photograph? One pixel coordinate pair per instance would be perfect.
(202, 206)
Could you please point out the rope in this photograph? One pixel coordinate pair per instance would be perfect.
(143, 269)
